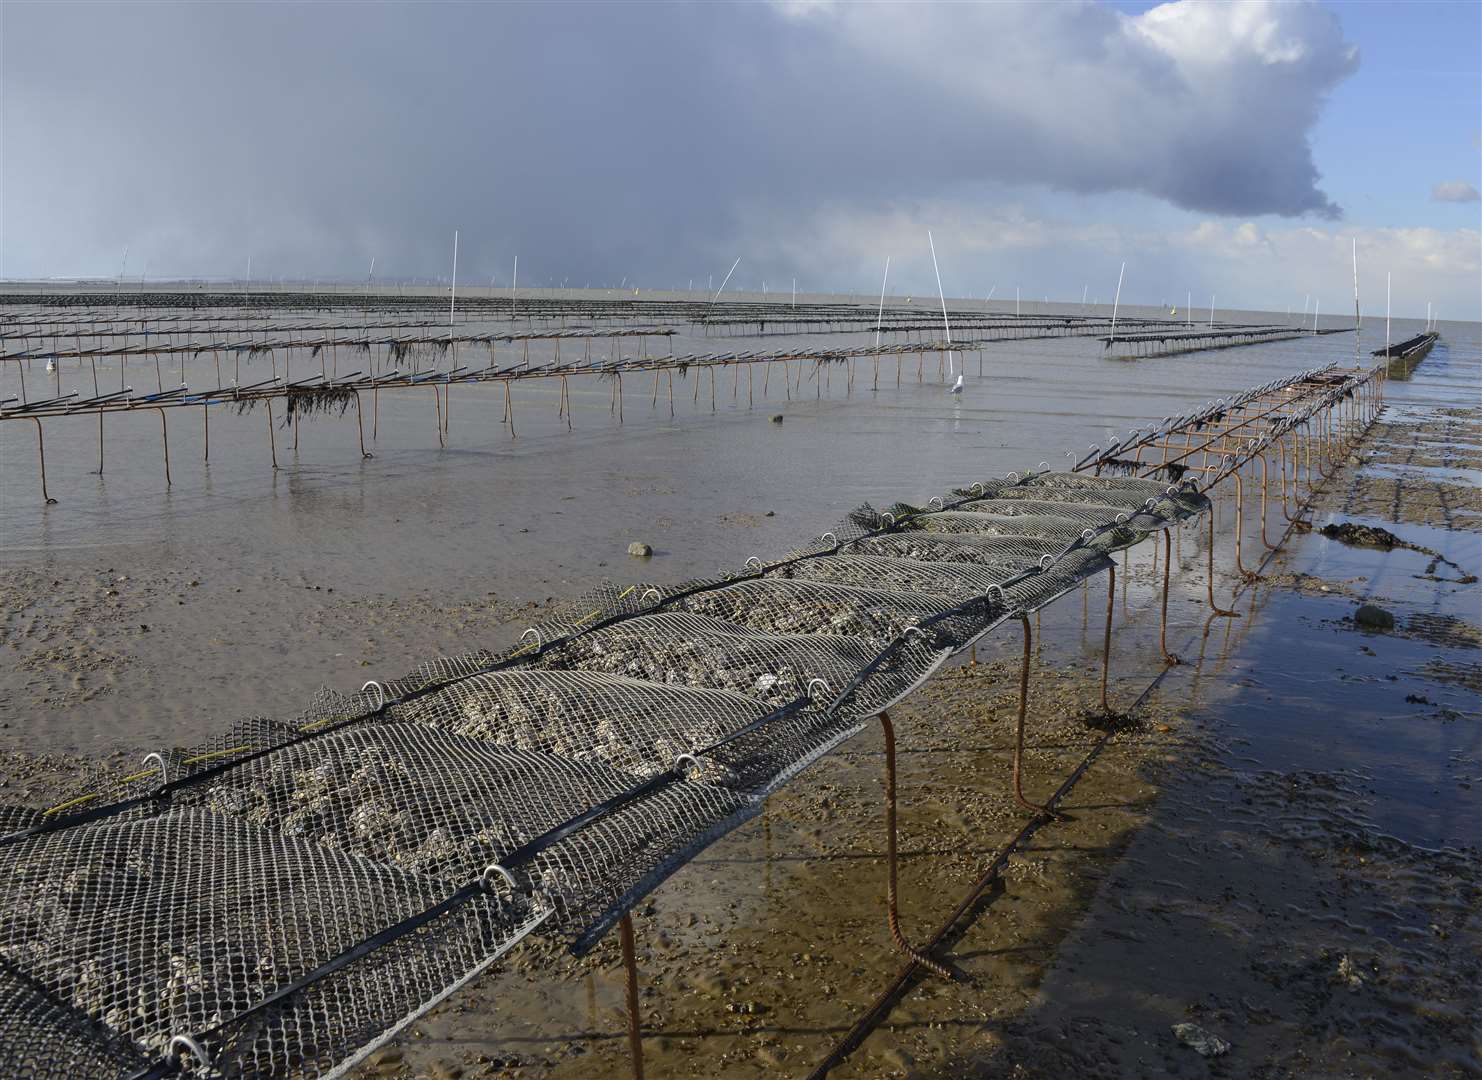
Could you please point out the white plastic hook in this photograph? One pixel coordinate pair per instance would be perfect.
(539, 637)
(494, 870)
(159, 760)
(808, 690)
(380, 693)
(186, 1044)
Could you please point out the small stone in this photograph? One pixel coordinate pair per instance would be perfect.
(770, 513)
(1373, 617)
(897, 1058)
(638, 549)
(1204, 1043)
(778, 418)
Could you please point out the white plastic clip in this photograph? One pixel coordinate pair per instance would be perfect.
(494, 870)
(808, 690)
(539, 638)
(164, 768)
(185, 1044)
(380, 693)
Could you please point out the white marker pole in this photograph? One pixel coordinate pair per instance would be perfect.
(1357, 319)
(1016, 301)
(794, 292)
(1118, 301)
(1189, 309)
(990, 294)
(722, 288)
(1084, 290)
(951, 367)
(1315, 305)
(880, 315)
(1211, 311)
(514, 283)
(453, 292)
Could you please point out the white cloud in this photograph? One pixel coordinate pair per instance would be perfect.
(1249, 265)
(1455, 191)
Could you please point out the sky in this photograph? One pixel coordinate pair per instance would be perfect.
(1226, 150)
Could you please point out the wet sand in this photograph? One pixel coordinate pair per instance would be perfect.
(1144, 907)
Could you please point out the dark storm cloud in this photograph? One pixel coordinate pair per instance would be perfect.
(601, 140)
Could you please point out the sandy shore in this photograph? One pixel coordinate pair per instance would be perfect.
(1313, 914)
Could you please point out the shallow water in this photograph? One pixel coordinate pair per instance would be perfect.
(304, 575)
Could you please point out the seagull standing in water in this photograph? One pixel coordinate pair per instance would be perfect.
(957, 386)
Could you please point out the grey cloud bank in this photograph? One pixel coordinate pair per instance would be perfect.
(630, 139)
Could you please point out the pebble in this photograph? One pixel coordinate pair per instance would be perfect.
(1204, 1043)
(638, 549)
(1374, 617)
(777, 419)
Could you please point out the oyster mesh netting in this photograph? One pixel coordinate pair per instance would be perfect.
(285, 897)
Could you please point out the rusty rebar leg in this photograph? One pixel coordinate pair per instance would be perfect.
(1111, 597)
(1019, 729)
(1209, 579)
(272, 439)
(360, 426)
(165, 437)
(1168, 657)
(892, 910)
(1250, 576)
(41, 455)
(1267, 543)
(635, 1035)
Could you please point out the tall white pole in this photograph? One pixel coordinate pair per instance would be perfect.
(1084, 290)
(1315, 305)
(1211, 311)
(514, 283)
(794, 292)
(990, 294)
(453, 292)
(1016, 301)
(1306, 299)
(951, 366)
(880, 314)
(1189, 309)
(1357, 319)
(1118, 301)
(722, 288)
(1427, 316)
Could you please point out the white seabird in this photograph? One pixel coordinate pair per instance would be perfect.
(957, 387)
